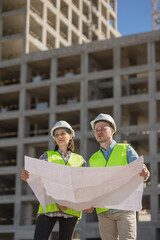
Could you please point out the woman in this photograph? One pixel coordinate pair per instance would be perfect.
(63, 134)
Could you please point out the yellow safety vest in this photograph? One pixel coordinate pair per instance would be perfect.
(118, 157)
(75, 160)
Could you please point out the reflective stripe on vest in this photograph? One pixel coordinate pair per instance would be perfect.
(75, 160)
(118, 157)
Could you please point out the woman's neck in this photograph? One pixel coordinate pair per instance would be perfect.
(63, 150)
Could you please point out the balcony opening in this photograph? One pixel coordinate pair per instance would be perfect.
(134, 55)
(33, 47)
(9, 102)
(75, 19)
(134, 84)
(69, 66)
(158, 141)
(11, 49)
(8, 128)
(77, 146)
(8, 156)
(38, 71)
(158, 80)
(35, 150)
(99, 61)
(53, 2)
(92, 147)
(35, 29)
(51, 41)
(37, 125)
(104, 30)
(112, 34)
(94, 36)
(100, 89)
(72, 117)
(159, 206)
(75, 38)
(139, 141)
(158, 174)
(135, 114)
(94, 20)
(145, 214)
(95, 4)
(7, 214)
(158, 111)
(7, 236)
(104, 11)
(8, 5)
(85, 30)
(85, 10)
(64, 8)
(112, 20)
(7, 185)
(37, 7)
(157, 51)
(66, 95)
(51, 18)
(9, 75)
(13, 24)
(112, 4)
(38, 98)
(94, 112)
(29, 213)
(76, 3)
(26, 190)
(64, 30)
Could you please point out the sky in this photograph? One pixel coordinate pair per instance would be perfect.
(134, 16)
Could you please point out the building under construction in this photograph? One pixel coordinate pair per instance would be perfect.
(118, 76)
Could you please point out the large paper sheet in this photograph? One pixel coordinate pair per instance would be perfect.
(118, 187)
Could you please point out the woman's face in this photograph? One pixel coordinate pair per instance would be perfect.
(62, 138)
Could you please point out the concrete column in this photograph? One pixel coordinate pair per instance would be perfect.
(80, 23)
(153, 144)
(57, 44)
(151, 53)
(154, 202)
(18, 182)
(44, 29)
(84, 90)
(52, 99)
(152, 99)
(84, 97)
(90, 22)
(69, 25)
(1, 27)
(27, 27)
(117, 87)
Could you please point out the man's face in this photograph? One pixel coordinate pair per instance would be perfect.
(103, 132)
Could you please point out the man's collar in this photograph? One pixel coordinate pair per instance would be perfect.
(112, 145)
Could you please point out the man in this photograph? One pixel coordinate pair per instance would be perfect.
(113, 223)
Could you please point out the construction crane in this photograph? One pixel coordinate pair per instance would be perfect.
(155, 14)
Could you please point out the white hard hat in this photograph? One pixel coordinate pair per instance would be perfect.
(106, 118)
(62, 124)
